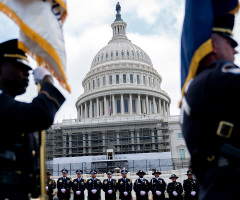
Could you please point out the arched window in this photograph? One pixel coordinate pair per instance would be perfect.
(98, 82)
(124, 78)
(118, 106)
(133, 106)
(125, 105)
(98, 58)
(133, 53)
(117, 78)
(138, 80)
(102, 57)
(104, 81)
(122, 53)
(144, 81)
(153, 83)
(93, 83)
(127, 53)
(131, 78)
(110, 79)
(116, 53)
(111, 54)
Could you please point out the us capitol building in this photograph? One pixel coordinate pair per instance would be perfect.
(123, 116)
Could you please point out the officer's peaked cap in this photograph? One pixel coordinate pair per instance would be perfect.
(9, 52)
(79, 172)
(48, 173)
(124, 171)
(140, 172)
(64, 170)
(93, 171)
(189, 172)
(156, 172)
(109, 173)
(173, 176)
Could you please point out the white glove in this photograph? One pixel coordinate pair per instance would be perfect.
(193, 193)
(125, 193)
(39, 73)
(94, 191)
(63, 190)
(158, 193)
(142, 192)
(78, 192)
(175, 193)
(109, 191)
(46, 188)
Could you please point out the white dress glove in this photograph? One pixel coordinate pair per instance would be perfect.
(63, 190)
(158, 193)
(193, 193)
(78, 192)
(142, 192)
(39, 73)
(175, 193)
(109, 191)
(94, 191)
(46, 188)
(125, 193)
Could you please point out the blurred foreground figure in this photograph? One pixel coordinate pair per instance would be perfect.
(211, 116)
(19, 156)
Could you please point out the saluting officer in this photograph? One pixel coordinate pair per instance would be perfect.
(109, 187)
(78, 186)
(175, 189)
(64, 185)
(190, 186)
(124, 185)
(50, 186)
(141, 186)
(94, 186)
(157, 186)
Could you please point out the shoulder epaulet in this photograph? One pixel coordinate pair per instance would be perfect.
(116, 182)
(53, 181)
(84, 181)
(130, 180)
(70, 179)
(99, 180)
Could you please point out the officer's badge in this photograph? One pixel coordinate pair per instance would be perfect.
(60, 181)
(75, 182)
(50, 182)
(67, 181)
(160, 181)
(89, 182)
(121, 182)
(97, 182)
(128, 183)
(82, 183)
(105, 182)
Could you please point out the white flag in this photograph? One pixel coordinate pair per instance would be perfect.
(41, 34)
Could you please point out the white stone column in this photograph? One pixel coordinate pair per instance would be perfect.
(153, 140)
(132, 139)
(78, 113)
(138, 140)
(97, 107)
(154, 106)
(90, 110)
(89, 143)
(101, 108)
(81, 111)
(70, 143)
(130, 104)
(168, 109)
(159, 106)
(147, 105)
(113, 105)
(85, 110)
(84, 143)
(122, 104)
(164, 108)
(144, 106)
(118, 142)
(139, 105)
(105, 106)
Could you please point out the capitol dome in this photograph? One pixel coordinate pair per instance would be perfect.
(122, 81)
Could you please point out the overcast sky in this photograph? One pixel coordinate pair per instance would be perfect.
(153, 25)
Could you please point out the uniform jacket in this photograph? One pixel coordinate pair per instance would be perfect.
(109, 185)
(141, 185)
(64, 184)
(51, 186)
(175, 186)
(78, 185)
(190, 185)
(158, 185)
(19, 151)
(124, 184)
(94, 184)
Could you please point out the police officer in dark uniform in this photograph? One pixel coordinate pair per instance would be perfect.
(190, 187)
(141, 186)
(78, 186)
(94, 186)
(50, 186)
(19, 155)
(64, 185)
(109, 187)
(174, 189)
(210, 112)
(157, 186)
(124, 186)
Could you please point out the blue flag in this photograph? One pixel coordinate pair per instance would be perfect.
(196, 40)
